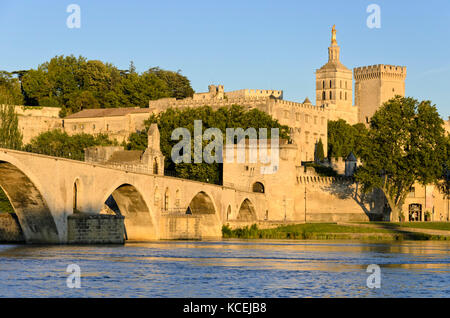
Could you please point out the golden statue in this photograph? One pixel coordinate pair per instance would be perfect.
(333, 35)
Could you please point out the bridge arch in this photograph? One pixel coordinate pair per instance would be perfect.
(127, 200)
(35, 218)
(202, 205)
(246, 211)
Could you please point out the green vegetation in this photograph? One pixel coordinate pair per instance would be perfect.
(443, 226)
(406, 143)
(5, 205)
(319, 155)
(77, 83)
(328, 231)
(344, 138)
(322, 170)
(223, 118)
(60, 144)
(10, 90)
(10, 136)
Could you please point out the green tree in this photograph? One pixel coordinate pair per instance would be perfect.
(77, 83)
(344, 138)
(10, 88)
(320, 155)
(225, 117)
(406, 143)
(10, 135)
(60, 144)
(178, 85)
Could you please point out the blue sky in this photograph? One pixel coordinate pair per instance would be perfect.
(240, 44)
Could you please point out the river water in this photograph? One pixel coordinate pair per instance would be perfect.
(234, 268)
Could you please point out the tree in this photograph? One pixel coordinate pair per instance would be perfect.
(60, 144)
(179, 86)
(406, 143)
(344, 138)
(319, 155)
(10, 88)
(222, 118)
(77, 83)
(10, 135)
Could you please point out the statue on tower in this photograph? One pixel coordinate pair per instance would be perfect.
(333, 35)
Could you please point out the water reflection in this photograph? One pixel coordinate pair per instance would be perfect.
(228, 269)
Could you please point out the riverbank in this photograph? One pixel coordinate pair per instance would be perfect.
(332, 231)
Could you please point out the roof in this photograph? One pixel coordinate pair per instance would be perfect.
(126, 156)
(107, 112)
(306, 101)
(334, 66)
(351, 157)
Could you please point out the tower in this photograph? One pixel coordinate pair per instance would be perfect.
(153, 156)
(334, 83)
(375, 85)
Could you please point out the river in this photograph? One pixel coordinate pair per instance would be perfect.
(234, 268)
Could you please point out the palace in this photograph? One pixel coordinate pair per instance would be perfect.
(295, 193)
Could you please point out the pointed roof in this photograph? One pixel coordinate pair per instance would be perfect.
(351, 157)
(306, 101)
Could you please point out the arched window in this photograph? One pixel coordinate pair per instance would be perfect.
(323, 84)
(340, 95)
(258, 187)
(324, 96)
(330, 84)
(155, 166)
(345, 95)
(331, 95)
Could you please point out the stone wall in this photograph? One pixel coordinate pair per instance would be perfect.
(10, 230)
(180, 227)
(95, 229)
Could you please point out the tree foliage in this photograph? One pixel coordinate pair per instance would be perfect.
(10, 89)
(60, 144)
(344, 138)
(223, 118)
(406, 143)
(319, 155)
(10, 135)
(77, 83)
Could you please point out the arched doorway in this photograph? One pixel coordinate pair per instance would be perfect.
(415, 212)
(126, 200)
(258, 187)
(33, 213)
(202, 206)
(246, 212)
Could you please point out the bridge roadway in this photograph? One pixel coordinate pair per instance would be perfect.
(45, 190)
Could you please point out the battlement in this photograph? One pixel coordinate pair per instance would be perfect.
(300, 105)
(311, 177)
(379, 71)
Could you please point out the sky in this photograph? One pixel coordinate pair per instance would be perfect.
(262, 44)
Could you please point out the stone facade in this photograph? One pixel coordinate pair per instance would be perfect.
(375, 85)
(36, 120)
(426, 203)
(95, 229)
(118, 123)
(10, 230)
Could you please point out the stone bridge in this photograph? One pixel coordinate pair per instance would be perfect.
(44, 191)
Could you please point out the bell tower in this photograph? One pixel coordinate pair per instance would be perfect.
(334, 83)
